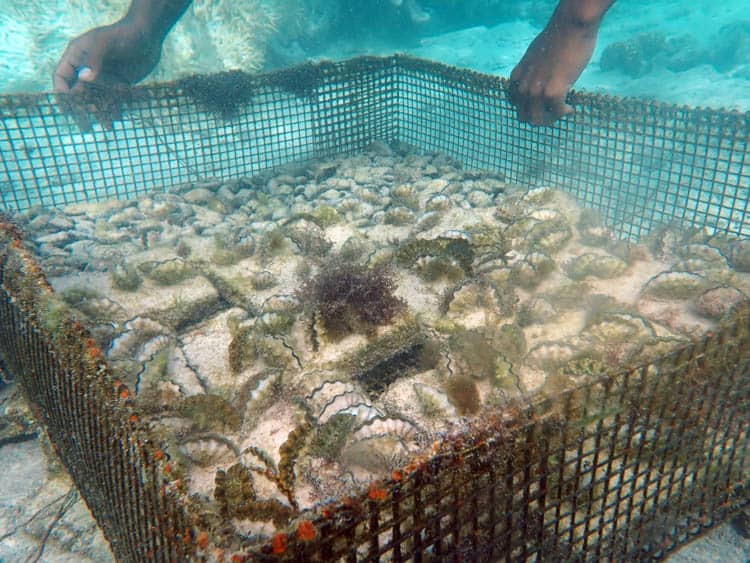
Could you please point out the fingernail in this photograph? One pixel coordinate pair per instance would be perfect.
(85, 73)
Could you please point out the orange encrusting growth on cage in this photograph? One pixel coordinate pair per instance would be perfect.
(202, 540)
(93, 352)
(306, 531)
(279, 543)
(377, 493)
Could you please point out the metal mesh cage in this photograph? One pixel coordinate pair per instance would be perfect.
(626, 467)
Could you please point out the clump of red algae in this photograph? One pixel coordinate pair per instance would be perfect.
(347, 297)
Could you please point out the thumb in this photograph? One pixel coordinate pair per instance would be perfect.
(86, 58)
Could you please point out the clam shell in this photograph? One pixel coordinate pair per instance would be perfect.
(438, 202)
(208, 451)
(546, 215)
(351, 402)
(403, 430)
(168, 272)
(427, 221)
(675, 285)
(327, 391)
(548, 236)
(258, 392)
(338, 397)
(457, 234)
(103, 309)
(530, 271)
(546, 355)
(535, 311)
(539, 195)
(152, 346)
(137, 332)
(275, 323)
(594, 235)
(619, 327)
(739, 255)
(434, 402)
(592, 265)
(282, 303)
(263, 279)
(716, 302)
(378, 455)
(362, 412)
(704, 252)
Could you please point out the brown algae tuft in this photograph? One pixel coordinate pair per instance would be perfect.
(347, 297)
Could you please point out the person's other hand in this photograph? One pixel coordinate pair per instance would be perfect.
(552, 63)
(112, 55)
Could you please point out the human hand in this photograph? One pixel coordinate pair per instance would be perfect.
(552, 63)
(112, 55)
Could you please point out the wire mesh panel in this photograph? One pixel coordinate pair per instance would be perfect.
(624, 469)
(201, 128)
(640, 163)
(627, 467)
(88, 416)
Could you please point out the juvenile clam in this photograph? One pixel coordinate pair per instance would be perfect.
(592, 265)
(209, 450)
(675, 285)
(716, 302)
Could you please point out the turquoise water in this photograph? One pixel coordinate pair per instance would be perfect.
(691, 52)
(699, 53)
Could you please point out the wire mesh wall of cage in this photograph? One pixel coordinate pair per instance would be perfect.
(629, 466)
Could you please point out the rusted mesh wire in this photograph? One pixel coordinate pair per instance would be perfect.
(627, 467)
(119, 469)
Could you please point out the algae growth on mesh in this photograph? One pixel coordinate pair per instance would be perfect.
(292, 336)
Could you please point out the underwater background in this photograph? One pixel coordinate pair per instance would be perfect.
(688, 52)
